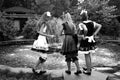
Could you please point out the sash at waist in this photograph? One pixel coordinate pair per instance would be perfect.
(69, 34)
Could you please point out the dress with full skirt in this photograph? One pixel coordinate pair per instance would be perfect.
(88, 45)
(40, 43)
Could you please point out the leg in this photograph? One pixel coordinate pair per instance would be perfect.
(35, 67)
(88, 63)
(68, 61)
(37, 64)
(75, 60)
(69, 66)
(40, 61)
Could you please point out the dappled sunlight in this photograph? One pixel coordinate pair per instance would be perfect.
(23, 56)
(22, 49)
(28, 46)
(12, 54)
(31, 57)
(104, 52)
(103, 60)
(81, 61)
(108, 54)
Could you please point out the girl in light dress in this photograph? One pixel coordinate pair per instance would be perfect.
(41, 43)
(89, 30)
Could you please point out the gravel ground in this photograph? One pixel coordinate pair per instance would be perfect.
(23, 56)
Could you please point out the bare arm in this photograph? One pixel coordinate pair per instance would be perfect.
(97, 27)
(84, 28)
(43, 30)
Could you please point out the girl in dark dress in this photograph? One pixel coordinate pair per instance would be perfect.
(87, 44)
(69, 47)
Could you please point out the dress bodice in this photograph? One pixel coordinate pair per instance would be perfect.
(68, 28)
(90, 28)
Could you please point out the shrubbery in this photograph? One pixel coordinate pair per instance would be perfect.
(101, 12)
(29, 30)
(7, 29)
(54, 28)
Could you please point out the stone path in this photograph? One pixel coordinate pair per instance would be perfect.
(94, 76)
(24, 53)
(60, 73)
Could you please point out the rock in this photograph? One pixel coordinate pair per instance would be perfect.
(56, 73)
(105, 69)
(117, 73)
(113, 77)
(94, 76)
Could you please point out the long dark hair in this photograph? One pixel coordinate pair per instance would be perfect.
(84, 15)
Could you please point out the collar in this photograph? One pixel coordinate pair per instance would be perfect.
(87, 21)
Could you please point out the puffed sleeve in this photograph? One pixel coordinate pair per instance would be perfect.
(45, 28)
(80, 26)
(94, 23)
(64, 24)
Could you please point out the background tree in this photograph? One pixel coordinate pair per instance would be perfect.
(117, 4)
(55, 6)
(1, 3)
(101, 12)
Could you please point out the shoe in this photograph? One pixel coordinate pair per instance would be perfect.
(36, 73)
(87, 72)
(84, 68)
(68, 72)
(78, 72)
(42, 72)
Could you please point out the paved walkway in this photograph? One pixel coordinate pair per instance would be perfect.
(96, 74)
(60, 73)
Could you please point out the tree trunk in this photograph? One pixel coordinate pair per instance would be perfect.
(1, 3)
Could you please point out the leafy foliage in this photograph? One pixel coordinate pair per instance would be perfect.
(99, 11)
(53, 28)
(117, 4)
(29, 30)
(7, 28)
(55, 6)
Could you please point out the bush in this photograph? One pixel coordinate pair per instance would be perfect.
(29, 30)
(111, 29)
(7, 29)
(101, 12)
(54, 28)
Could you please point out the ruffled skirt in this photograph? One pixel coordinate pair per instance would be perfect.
(40, 43)
(86, 46)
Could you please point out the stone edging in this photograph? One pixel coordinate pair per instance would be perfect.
(15, 42)
(17, 70)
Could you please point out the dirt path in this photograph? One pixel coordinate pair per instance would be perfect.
(22, 56)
